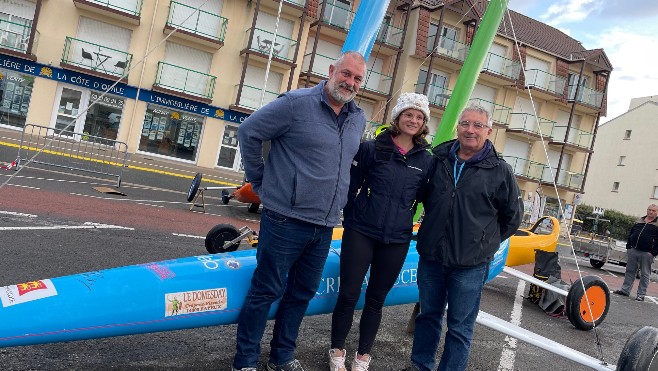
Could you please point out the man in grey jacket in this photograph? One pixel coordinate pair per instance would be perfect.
(314, 135)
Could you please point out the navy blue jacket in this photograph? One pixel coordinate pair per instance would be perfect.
(464, 224)
(307, 172)
(389, 184)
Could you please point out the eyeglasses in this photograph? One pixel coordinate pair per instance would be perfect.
(476, 125)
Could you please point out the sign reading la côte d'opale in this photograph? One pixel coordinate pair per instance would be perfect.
(120, 89)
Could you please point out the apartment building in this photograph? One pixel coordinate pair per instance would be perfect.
(192, 77)
(623, 175)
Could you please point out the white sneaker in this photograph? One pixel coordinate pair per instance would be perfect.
(361, 365)
(336, 362)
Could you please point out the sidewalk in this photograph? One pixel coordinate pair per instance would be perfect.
(10, 140)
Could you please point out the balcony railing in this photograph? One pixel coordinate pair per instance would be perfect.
(300, 3)
(545, 81)
(577, 137)
(185, 80)
(450, 48)
(251, 95)
(321, 64)
(501, 66)
(14, 36)
(96, 57)
(337, 16)
(264, 41)
(390, 35)
(529, 123)
(437, 95)
(526, 168)
(200, 22)
(565, 178)
(377, 82)
(590, 97)
(499, 114)
(132, 7)
(371, 130)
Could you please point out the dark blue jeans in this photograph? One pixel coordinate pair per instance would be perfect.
(286, 247)
(458, 288)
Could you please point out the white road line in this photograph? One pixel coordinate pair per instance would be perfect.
(23, 186)
(652, 299)
(87, 225)
(508, 355)
(17, 214)
(188, 235)
(610, 273)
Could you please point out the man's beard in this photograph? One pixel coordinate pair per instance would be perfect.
(339, 96)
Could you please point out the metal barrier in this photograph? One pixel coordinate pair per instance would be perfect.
(72, 150)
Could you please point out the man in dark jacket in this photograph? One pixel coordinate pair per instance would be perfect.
(642, 248)
(472, 204)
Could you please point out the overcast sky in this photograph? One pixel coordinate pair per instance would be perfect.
(627, 30)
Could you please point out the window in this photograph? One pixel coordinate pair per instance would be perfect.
(448, 37)
(655, 192)
(621, 160)
(615, 187)
(627, 135)
(171, 133)
(15, 95)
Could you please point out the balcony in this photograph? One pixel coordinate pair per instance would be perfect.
(545, 81)
(526, 123)
(437, 95)
(587, 96)
(501, 66)
(371, 130)
(250, 97)
(565, 178)
(320, 68)
(14, 36)
(85, 56)
(450, 48)
(500, 114)
(199, 26)
(126, 10)
(264, 42)
(186, 82)
(525, 168)
(577, 138)
(377, 82)
(390, 35)
(339, 17)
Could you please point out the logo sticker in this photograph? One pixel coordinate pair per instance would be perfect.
(233, 264)
(197, 301)
(25, 292)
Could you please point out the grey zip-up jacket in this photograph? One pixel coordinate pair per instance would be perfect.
(307, 171)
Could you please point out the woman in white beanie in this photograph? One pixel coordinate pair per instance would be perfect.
(387, 175)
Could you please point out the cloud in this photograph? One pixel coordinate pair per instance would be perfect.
(569, 11)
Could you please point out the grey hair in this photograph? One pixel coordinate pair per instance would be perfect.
(474, 107)
(352, 53)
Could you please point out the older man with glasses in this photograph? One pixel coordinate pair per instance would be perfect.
(642, 248)
(472, 204)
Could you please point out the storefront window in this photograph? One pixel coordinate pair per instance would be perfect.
(170, 133)
(229, 147)
(103, 118)
(15, 94)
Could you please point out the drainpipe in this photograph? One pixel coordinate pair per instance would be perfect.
(596, 128)
(573, 108)
(426, 86)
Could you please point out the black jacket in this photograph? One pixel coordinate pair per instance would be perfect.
(389, 183)
(464, 225)
(644, 236)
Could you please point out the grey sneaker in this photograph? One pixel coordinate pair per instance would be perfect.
(359, 364)
(639, 298)
(244, 369)
(293, 365)
(337, 362)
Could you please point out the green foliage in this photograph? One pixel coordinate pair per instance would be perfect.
(619, 223)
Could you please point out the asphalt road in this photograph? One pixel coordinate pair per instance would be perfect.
(154, 223)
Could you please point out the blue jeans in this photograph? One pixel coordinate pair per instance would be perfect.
(286, 247)
(458, 288)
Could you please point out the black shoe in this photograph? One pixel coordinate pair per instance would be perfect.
(639, 298)
(293, 365)
(619, 292)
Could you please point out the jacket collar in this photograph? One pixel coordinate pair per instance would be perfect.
(491, 159)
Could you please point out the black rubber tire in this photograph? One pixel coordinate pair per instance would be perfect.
(253, 208)
(194, 187)
(225, 197)
(599, 297)
(640, 351)
(596, 263)
(218, 235)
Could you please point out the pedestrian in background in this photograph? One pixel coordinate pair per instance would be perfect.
(641, 249)
(387, 174)
(473, 203)
(314, 135)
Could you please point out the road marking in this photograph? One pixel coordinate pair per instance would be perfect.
(610, 273)
(188, 235)
(17, 214)
(87, 225)
(508, 355)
